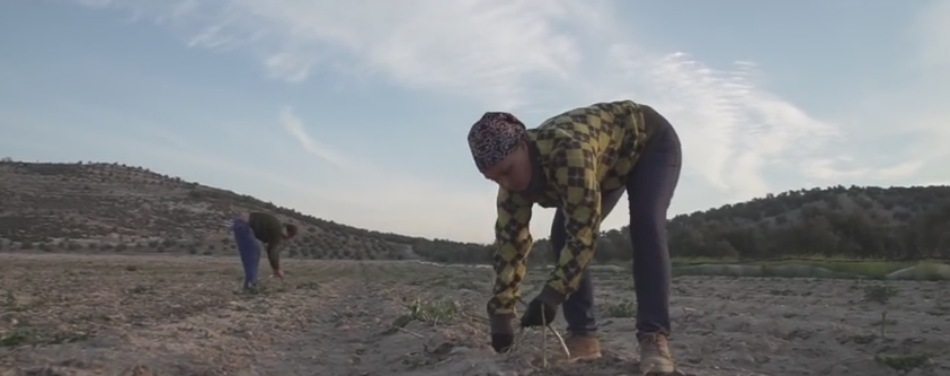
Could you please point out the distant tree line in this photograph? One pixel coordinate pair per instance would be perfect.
(897, 223)
(857, 222)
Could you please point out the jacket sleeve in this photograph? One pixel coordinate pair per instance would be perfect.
(273, 255)
(512, 243)
(575, 178)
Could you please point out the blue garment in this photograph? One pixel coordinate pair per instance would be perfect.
(650, 187)
(249, 250)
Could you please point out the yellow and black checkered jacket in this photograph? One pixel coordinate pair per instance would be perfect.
(582, 153)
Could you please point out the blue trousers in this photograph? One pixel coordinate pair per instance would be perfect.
(249, 250)
(650, 187)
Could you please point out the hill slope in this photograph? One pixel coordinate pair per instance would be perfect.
(864, 222)
(898, 223)
(115, 208)
(86, 207)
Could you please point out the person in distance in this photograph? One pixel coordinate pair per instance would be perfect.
(251, 227)
(580, 162)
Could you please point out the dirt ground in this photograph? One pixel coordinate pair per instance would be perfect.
(164, 315)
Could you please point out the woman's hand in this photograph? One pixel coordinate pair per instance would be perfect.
(502, 342)
(538, 314)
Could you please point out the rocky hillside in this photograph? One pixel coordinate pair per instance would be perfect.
(99, 207)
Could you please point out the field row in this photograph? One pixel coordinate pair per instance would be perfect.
(165, 315)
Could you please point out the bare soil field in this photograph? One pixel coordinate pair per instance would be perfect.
(175, 315)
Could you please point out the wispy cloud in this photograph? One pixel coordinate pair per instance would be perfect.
(826, 169)
(295, 128)
(932, 31)
(361, 193)
(905, 127)
(731, 128)
(533, 56)
(484, 50)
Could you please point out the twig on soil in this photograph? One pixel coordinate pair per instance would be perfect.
(544, 343)
(521, 336)
(567, 353)
(479, 319)
(544, 355)
(410, 332)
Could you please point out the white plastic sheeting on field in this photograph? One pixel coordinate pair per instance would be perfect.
(923, 272)
(737, 270)
(804, 271)
(720, 270)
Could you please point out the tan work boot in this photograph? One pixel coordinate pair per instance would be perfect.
(583, 346)
(655, 357)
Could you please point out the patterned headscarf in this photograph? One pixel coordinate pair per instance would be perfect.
(493, 137)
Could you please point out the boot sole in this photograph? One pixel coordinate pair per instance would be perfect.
(657, 369)
(584, 358)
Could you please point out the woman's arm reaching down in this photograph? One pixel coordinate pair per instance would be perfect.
(575, 177)
(513, 242)
(273, 256)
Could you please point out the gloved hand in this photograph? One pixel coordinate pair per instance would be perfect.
(502, 332)
(502, 342)
(532, 316)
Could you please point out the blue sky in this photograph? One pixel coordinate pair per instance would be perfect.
(357, 111)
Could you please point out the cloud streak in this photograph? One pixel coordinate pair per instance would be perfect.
(932, 30)
(365, 195)
(732, 128)
(534, 56)
(294, 126)
(482, 50)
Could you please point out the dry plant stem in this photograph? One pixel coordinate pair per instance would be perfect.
(560, 339)
(544, 343)
(883, 324)
(567, 353)
(410, 332)
(522, 334)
